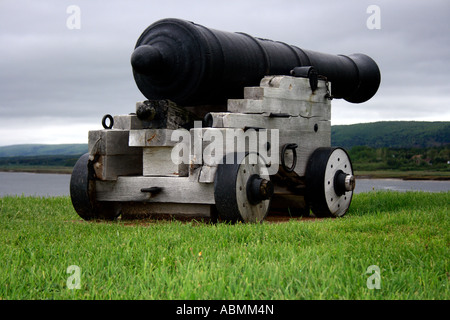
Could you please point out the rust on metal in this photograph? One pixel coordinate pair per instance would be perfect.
(149, 140)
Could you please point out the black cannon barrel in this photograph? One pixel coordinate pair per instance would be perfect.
(192, 65)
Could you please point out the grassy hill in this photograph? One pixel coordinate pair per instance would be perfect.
(384, 134)
(56, 158)
(24, 150)
(406, 149)
(392, 134)
(379, 146)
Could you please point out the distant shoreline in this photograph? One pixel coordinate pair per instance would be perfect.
(50, 171)
(404, 175)
(419, 178)
(401, 175)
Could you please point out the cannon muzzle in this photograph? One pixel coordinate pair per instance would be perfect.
(193, 65)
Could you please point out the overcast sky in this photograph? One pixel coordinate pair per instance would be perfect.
(56, 83)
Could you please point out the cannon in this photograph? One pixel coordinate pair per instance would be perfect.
(190, 64)
(234, 127)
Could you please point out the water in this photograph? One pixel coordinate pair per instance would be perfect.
(34, 184)
(366, 185)
(40, 184)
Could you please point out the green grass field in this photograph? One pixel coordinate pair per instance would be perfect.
(405, 234)
(405, 175)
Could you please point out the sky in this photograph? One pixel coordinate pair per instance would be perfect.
(61, 72)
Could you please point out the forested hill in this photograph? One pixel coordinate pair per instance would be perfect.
(25, 150)
(392, 134)
(386, 134)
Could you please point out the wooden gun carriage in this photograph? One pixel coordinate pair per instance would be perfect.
(234, 126)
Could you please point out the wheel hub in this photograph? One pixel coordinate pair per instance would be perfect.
(343, 182)
(259, 189)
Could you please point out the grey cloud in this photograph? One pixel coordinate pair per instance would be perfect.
(50, 74)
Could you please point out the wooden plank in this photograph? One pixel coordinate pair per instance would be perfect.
(290, 88)
(246, 105)
(284, 94)
(210, 153)
(113, 155)
(308, 133)
(307, 139)
(201, 139)
(276, 105)
(207, 174)
(307, 142)
(243, 120)
(151, 138)
(157, 162)
(110, 142)
(194, 172)
(109, 167)
(130, 122)
(175, 190)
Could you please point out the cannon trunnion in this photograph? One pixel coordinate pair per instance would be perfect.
(234, 128)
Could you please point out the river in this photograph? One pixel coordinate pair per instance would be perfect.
(34, 184)
(43, 184)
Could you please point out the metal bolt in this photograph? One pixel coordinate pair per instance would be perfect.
(349, 182)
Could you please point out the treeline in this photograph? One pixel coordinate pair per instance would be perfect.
(39, 161)
(392, 134)
(31, 150)
(365, 158)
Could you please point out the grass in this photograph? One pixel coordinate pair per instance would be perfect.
(406, 175)
(404, 234)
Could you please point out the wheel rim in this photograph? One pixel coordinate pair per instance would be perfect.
(330, 182)
(232, 190)
(248, 211)
(337, 162)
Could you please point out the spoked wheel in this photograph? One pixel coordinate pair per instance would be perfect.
(329, 182)
(242, 190)
(82, 193)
